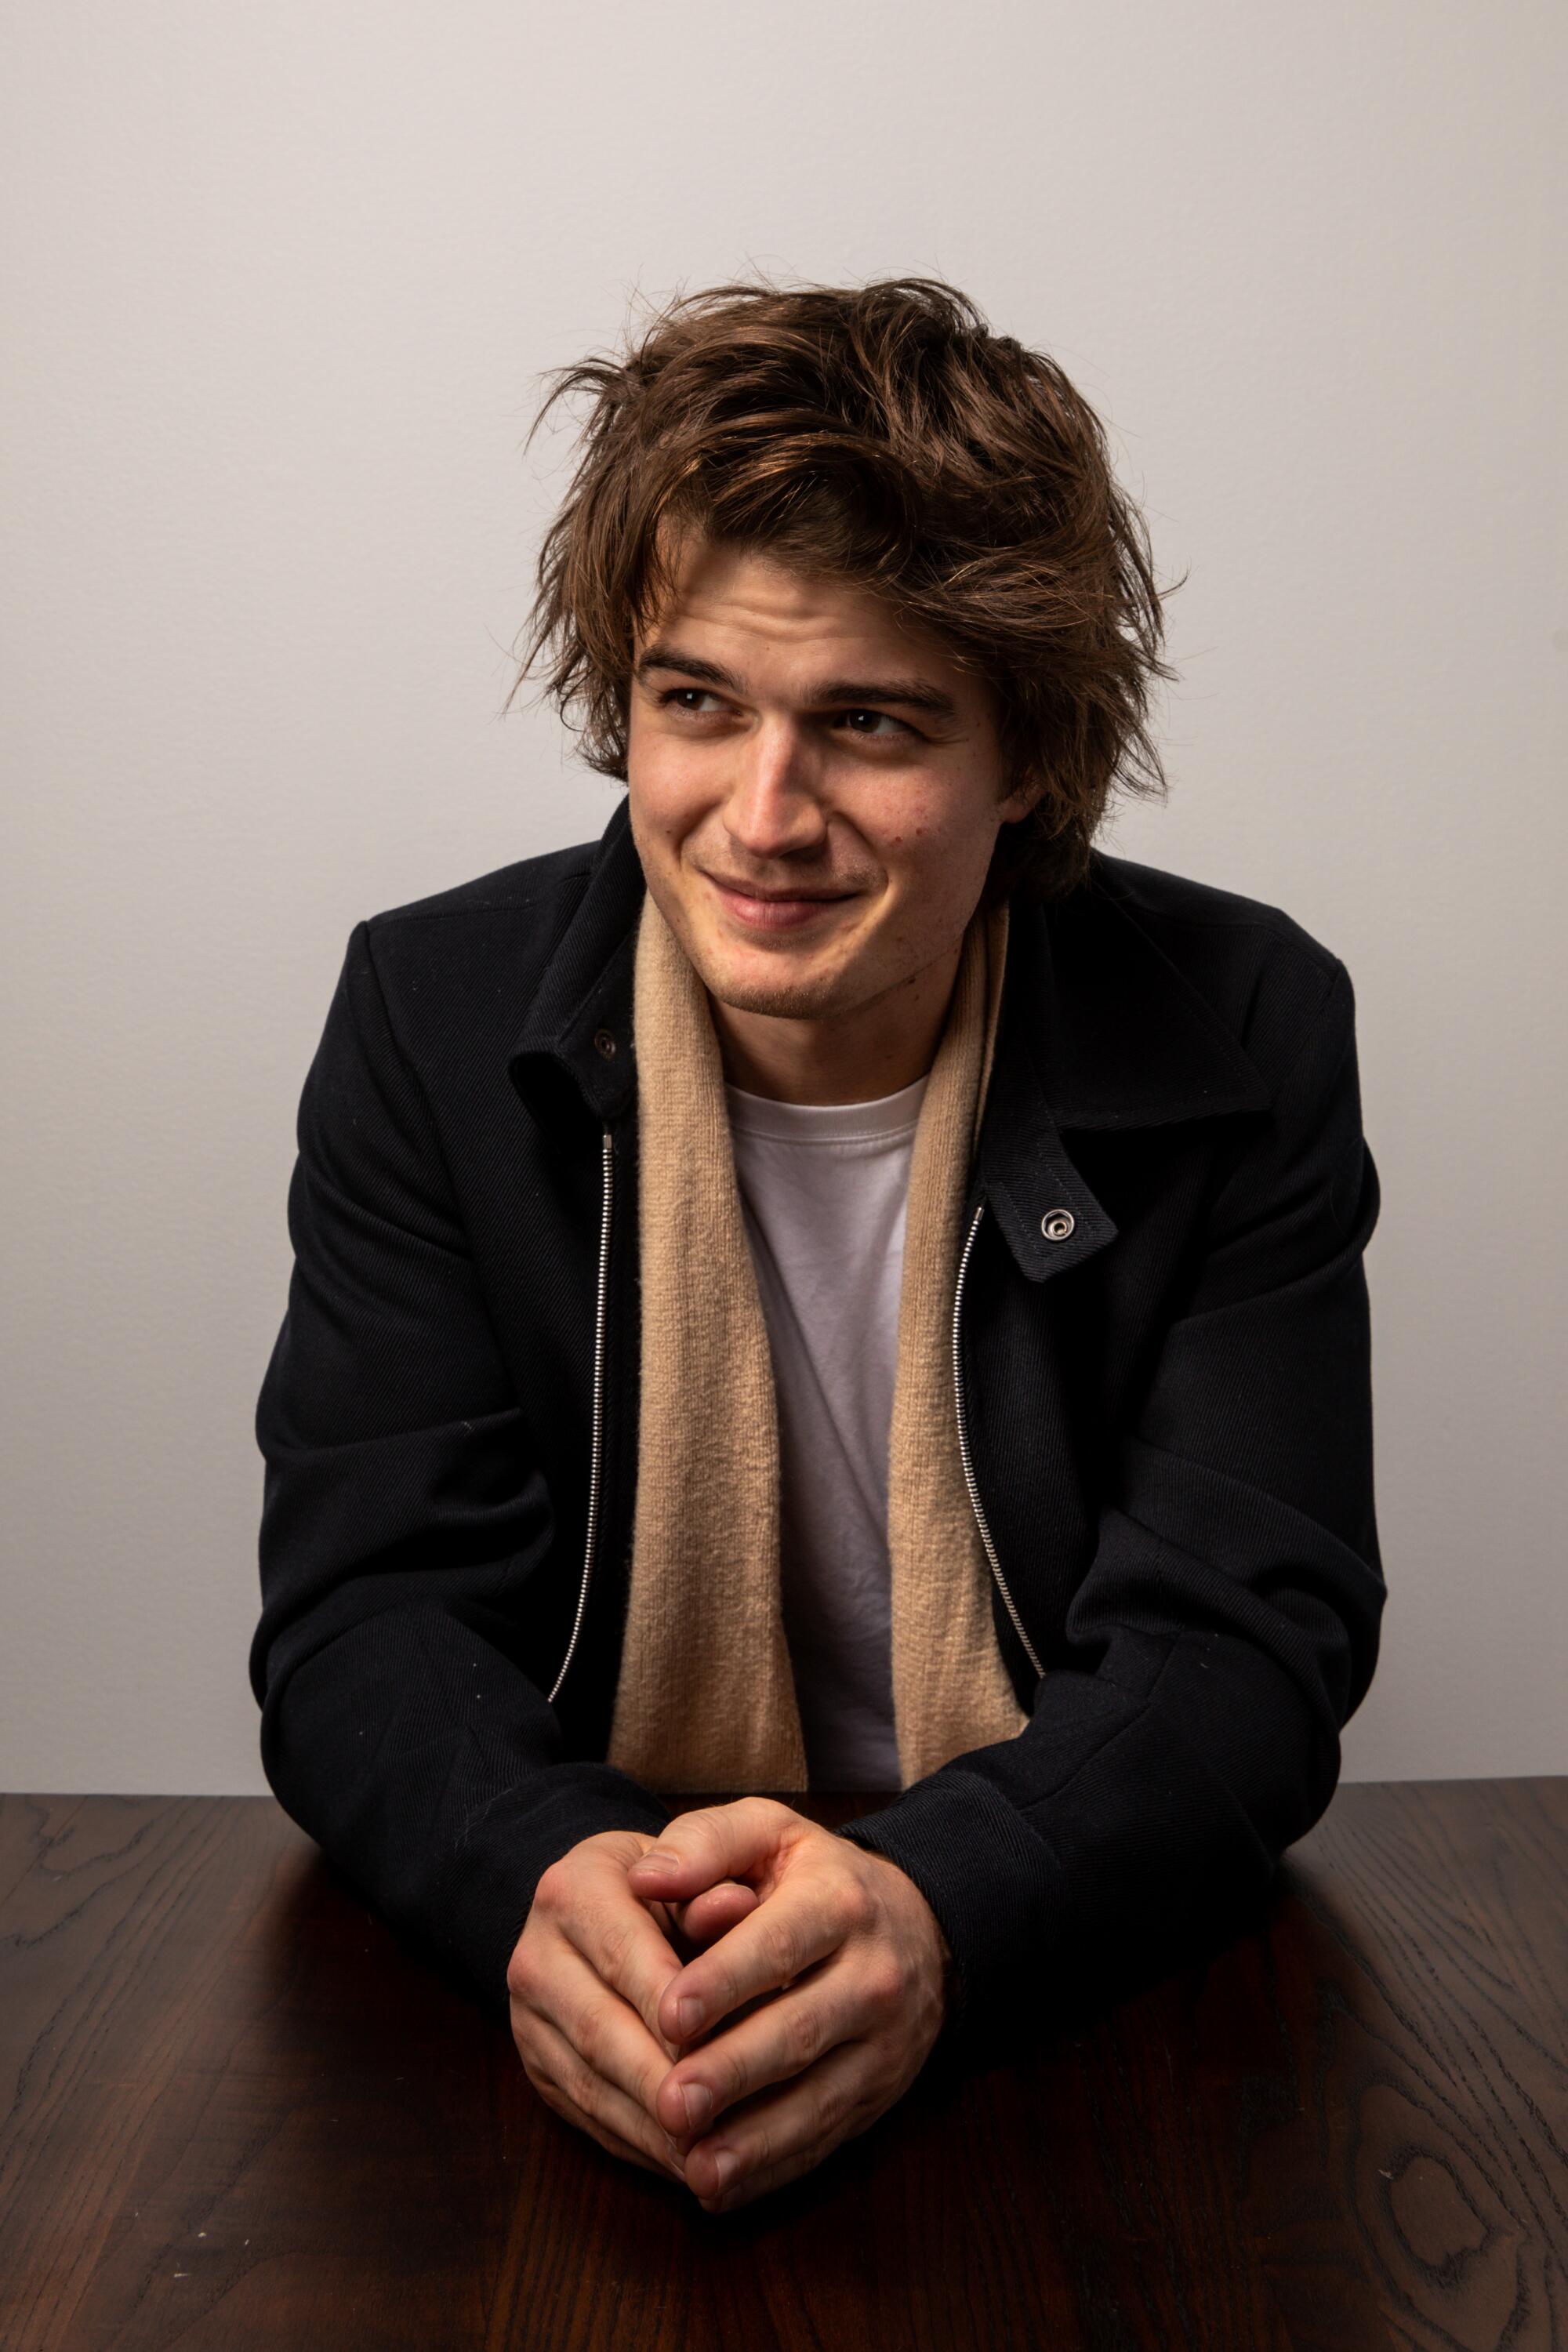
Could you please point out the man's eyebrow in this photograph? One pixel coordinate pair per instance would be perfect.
(913, 693)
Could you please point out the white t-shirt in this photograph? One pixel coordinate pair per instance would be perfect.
(824, 1188)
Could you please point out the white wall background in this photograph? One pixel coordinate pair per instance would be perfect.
(280, 281)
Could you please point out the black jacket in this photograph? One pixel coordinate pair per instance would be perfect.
(1166, 1407)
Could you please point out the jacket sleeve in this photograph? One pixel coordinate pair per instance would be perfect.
(403, 1514)
(1227, 1625)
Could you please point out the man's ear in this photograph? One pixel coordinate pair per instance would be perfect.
(1022, 798)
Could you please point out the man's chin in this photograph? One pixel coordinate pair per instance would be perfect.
(789, 982)
(800, 999)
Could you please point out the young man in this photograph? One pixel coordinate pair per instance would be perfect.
(836, 1283)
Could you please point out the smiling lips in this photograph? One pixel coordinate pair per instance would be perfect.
(774, 914)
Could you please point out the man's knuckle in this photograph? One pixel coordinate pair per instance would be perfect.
(590, 2034)
(533, 1981)
(824, 2119)
(551, 1893)
(778, 1942)
(720, 1997)
(807, 2034)
(728, 2080)
(860, 1907)
(716, 1985)
(616, 1944)
(583, 2082)
(883, 1983)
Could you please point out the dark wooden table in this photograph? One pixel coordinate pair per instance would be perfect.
(237, 2114)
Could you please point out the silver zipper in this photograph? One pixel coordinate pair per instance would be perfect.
(964, 1450)
(598, 1424)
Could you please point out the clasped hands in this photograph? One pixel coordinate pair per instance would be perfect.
(726, 2002)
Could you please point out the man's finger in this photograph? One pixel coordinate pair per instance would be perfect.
(696, 1849)
(783, 2132)
(771, 2044)
(606, 2032)
(581, 2097)
(796, 1926)
(704, 1917)
(619, 1938)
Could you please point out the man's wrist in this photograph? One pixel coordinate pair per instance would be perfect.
(947, 1978)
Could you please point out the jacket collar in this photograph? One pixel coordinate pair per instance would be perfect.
(1099, 1030)
(585, 990)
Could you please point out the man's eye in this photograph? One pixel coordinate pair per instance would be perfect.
(884, 717)
(883, 728)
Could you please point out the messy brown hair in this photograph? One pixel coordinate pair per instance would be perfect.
(884, 437)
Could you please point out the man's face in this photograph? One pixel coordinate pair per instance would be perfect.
(814, 791)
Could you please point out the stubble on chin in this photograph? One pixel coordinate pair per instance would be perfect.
(800, 1000)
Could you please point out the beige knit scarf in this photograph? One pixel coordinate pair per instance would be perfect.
(706, 1696)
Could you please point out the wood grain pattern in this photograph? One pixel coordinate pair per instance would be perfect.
(238, 2115)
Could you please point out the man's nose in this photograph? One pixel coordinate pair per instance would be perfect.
(773, 808)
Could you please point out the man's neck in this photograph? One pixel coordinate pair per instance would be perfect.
(878, 1049)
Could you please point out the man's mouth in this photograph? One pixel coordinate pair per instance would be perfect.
(776, 910)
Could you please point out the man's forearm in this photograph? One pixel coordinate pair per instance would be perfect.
(448, 1816)
(1092, 1853)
